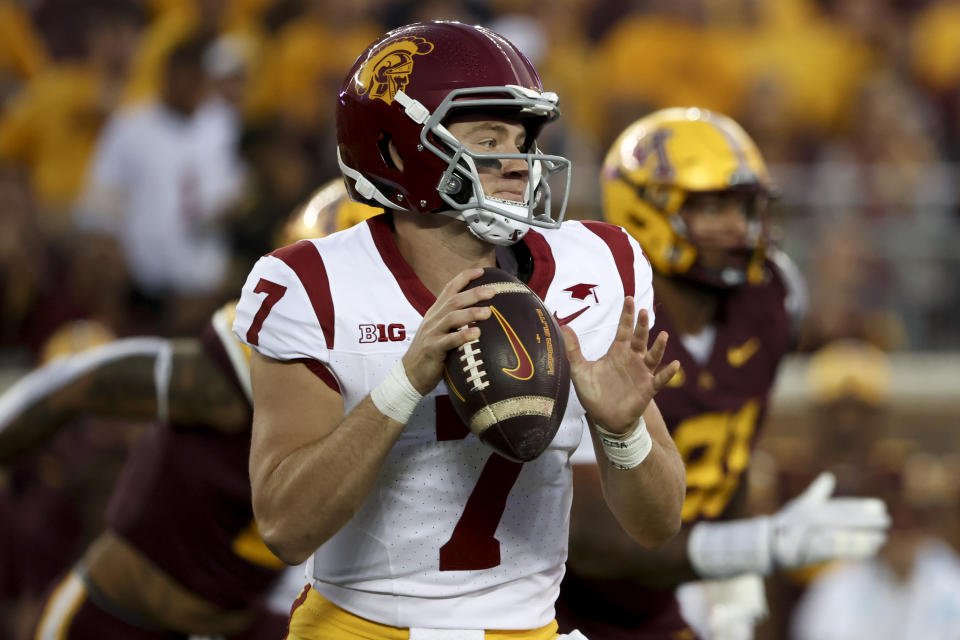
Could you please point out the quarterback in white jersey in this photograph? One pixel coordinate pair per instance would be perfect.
(414, 528)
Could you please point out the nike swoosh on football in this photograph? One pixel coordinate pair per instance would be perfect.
(567, 319)
(524, 368)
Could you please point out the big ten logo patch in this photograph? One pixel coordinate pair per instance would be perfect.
(382, 333)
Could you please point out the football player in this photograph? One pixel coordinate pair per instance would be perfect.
(357, 459)
(181, 553)
(692, 188)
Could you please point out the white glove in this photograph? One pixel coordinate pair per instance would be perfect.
(736, 606)
(811, 528)
(729, 622)
(724, 609)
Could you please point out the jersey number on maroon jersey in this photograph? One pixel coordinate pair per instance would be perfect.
(716, 449)
(472, 545)
(274, 292)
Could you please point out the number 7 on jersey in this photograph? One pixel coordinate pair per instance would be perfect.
(274, 292)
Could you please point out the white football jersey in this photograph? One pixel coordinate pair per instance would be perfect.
(452, 535)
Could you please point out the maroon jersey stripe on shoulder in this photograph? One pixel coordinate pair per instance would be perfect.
(544, 266)
(307, 263)
(616, 239)
(419, 297)
(321, 371)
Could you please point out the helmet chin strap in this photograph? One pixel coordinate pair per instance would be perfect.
(491, 227)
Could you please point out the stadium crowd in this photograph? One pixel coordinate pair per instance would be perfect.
(854, 104)
(150, 151)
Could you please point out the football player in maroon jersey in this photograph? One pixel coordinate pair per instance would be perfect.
(692, 187)
(181, 554)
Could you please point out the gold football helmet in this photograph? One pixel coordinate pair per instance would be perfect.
(659, 161)
(328, 209)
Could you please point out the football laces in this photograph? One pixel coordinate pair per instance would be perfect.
(473, 365)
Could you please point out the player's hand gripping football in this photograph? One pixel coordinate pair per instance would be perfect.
(616, 389)
(445, 326)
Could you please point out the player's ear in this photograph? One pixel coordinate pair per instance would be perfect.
(394, 155)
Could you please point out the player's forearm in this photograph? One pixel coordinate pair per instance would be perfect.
(29, 428)
(643, 479)
(647, 499)
(600, 548)
(114, 380)
(310, 494)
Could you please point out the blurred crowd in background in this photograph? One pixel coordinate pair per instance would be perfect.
(150, 147)
(151, 150)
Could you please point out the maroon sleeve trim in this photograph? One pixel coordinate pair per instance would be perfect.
(618, 242)
(307, 263)
(321, 371)
(413, 290)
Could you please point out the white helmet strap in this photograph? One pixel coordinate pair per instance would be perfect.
(363, 186)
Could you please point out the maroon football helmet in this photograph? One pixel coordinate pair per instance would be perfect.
(403, 88)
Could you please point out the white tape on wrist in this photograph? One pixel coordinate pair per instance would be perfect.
(725, 549)
(395, 397)
(626, 452)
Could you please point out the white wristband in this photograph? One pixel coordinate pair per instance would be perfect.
(395, 397)
(626, 452)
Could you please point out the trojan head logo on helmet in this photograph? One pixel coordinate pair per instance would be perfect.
(659, 162)
(388, 70)
(403, 89)
(328, 209)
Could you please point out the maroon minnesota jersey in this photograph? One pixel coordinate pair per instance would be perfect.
(183, 499)
(713, 412)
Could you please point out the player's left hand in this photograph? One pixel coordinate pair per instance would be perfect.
(616, 389)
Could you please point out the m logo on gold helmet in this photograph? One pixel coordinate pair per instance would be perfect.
(388, 70)
(665, 158)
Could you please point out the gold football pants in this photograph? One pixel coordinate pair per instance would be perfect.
(315, 618)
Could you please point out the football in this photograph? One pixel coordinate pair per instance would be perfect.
(510, 386)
